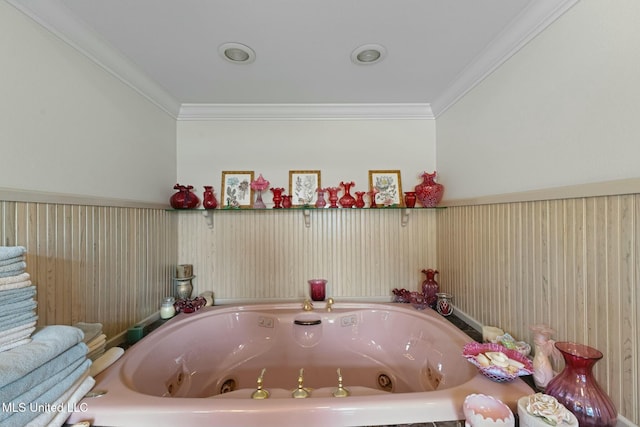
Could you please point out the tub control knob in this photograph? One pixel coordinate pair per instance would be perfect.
(300, 392)
(260, 393)
(340, 391)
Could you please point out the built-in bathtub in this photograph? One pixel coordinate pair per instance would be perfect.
(399, 364)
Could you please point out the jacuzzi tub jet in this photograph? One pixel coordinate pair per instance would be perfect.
(228, 385)
(385, 383)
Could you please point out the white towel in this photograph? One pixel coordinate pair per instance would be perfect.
(15, 285)
(106, 360)
(69, 400)
(14, 344)
(97, 342)
(13, 279)
(17, 334)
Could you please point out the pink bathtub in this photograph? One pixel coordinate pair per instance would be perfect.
(399, 365)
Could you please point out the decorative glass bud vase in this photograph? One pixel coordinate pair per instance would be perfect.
(430, 287)
(429, 192)
(209, 198)
(360, 199)
(577, 389)
(286, 201)
(410, 199)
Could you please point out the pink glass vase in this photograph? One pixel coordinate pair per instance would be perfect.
(320, 201)
(286, 201)
(577, 389)
(430, 287)
(347, 200)
(429, 192)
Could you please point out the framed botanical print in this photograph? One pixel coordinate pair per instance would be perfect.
(236, 189)
(303, 186)
(388, 187)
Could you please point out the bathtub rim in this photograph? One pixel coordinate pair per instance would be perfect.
(393, 409)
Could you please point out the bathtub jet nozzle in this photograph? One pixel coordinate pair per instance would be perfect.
(260, 393)
(300, 392)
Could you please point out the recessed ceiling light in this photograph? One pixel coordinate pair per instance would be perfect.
(237, 53)
(368, 54)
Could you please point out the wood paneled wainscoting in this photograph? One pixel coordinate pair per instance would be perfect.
(573, 264)
(104, 264)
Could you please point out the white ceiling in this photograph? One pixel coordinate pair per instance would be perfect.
(168, 50)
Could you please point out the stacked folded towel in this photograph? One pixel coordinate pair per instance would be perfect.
(93, 338)
(40, 382)
(17, 299)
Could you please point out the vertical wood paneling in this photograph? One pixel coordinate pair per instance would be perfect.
(93, 264)
(271, 255)
(572, 264)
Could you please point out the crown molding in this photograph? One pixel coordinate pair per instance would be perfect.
(52, 16)
(529, 23)
(304, 111)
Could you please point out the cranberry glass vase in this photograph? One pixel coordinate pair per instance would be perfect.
(184, 198)
(277, 197)
(430, 287)
(209, 200)
(577, 389)
(333, 196)
(286, 201)
(410, 199)
(360, 199)
(347, 200)
(429, 192)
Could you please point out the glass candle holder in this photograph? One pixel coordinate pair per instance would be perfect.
(318, 289)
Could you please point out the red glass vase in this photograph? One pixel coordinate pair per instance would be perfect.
(209, 200)
(360, 199)
(347, 200)
(184, 198)
(286, 201)
(333, 196)
(429, 192)
(577, 389)
(410, 199)
(430, 287)
(277, 197)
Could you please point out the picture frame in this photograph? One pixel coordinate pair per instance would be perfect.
(303, 186)
(389, 186)
(236, 189)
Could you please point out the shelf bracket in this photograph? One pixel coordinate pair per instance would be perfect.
(404, 220)
(209, 217)
(307, 217)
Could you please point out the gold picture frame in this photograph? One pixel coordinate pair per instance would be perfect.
(303, 186)
(236, 189)
(388, 184)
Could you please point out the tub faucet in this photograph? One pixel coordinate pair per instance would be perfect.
(260, 393)
(340, 391)
(307, 305)
(300, 392)
(330, 303)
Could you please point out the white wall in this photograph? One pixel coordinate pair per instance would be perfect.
(343, 150)
(67, 126)
(562, 111)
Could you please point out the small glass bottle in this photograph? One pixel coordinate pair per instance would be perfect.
(167, 310)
